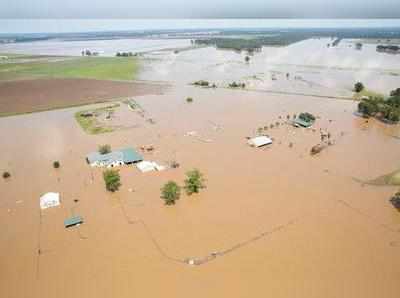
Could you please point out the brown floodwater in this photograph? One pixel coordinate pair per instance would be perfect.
(291, 225)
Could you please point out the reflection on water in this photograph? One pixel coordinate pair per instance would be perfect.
(103, 47)
(321, 70)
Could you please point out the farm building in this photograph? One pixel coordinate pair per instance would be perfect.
(114, 159)
(304, 120)
(301, 122)
(50, 199)
(260, 141)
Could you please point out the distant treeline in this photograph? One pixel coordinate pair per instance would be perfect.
(388, 49)
(278, 36)
(250, 44)
(124, 54)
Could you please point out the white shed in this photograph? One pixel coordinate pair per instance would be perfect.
(148, 166)
(50, 199)
(260, 141)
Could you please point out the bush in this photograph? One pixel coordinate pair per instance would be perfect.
(395, 92)
(6, 175)
(56, 164)
(194, 182)
(375, 106)
(112, 180)
(201, 83)
(104, 149)
(358, 87)
(189, 99)
(393, 115)
(395, 200)
(170, 192)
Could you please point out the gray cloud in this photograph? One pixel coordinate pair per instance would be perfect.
(199, 9)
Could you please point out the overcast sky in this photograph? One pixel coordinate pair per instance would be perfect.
(199, 9)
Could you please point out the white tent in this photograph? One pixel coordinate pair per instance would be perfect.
(260, 141)
(50, 199)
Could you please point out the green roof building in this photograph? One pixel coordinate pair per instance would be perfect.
(303, 123)
(130, 156)
(73, 221)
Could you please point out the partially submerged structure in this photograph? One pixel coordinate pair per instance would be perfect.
(114, 158)
(259, 141)
(73, 221)
(304, 120)
(148, 166)
(50, 199)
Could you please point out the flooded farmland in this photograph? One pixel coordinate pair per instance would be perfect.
(272, 221)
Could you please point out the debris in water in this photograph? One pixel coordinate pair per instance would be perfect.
(317, 149)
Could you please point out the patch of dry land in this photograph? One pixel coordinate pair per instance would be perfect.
(272, 222)
(25, 96)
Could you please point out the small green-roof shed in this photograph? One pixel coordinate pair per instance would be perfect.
(73, 221)
(302, 122)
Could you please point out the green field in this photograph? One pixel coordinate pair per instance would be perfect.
(388, 179)
(102, 68)
(90, 124)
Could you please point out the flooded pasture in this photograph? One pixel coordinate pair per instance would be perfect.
(272, 221)
(314, 68)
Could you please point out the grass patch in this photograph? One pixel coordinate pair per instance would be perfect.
(101, 68)
(90, 124)
(392, 178)
(368, 93)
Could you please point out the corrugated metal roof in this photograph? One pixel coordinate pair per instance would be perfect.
(130, 155)
(303, 123)
(73, 221)
(260, 141)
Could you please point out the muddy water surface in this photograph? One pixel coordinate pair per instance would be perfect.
(323, 234)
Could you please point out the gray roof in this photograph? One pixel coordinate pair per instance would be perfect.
(106, 158)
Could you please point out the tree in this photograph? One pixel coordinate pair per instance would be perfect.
(56, 164)
(395, 200)
(307, 117)
(6, 175)
(395, 92)
(170, 192)
(189, 99)
(112, 180)
(104, 149)
(247, 59)
(368, 107)
(358, 87)
(194, 182)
